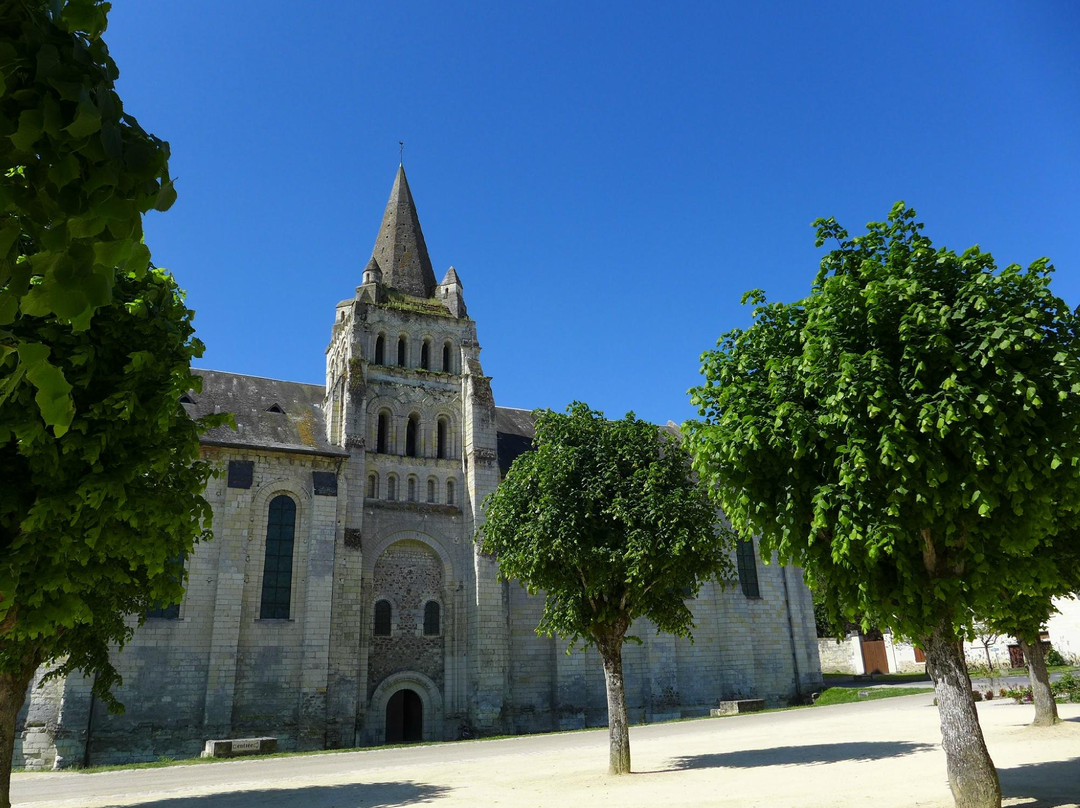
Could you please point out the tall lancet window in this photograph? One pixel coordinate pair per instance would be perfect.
(277, 566)
(442, 439)
(382, 439)
(412, 436)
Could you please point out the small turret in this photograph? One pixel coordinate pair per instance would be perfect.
(449, 294)
(371, 290)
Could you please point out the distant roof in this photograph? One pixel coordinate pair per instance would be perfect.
(270, 414)
(515, 430)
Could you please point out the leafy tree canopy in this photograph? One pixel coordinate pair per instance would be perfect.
(909, 432)
(76, 175)
(605, 519)
(93, 524)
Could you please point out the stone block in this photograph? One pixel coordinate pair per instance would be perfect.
(737, 706)
(236, 747)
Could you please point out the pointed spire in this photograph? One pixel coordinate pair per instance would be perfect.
(400, 249)
(450, 278)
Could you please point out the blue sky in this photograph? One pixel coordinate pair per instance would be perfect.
(607, 178)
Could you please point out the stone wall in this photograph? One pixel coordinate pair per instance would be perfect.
(408, 575)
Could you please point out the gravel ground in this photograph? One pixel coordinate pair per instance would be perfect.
(878, 753)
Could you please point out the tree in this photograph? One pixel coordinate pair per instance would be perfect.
(77, 174)
(909, 433)
(606, 519)
(97, 521)
(1024, 613)
(987, 635)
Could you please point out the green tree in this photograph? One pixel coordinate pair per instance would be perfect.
(76, 175)
(1024, 613)
(94, 521)
(909, 433)
(606, 519)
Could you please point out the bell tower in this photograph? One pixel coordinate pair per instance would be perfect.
(406, 395)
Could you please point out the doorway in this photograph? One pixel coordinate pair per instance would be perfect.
(404, 718)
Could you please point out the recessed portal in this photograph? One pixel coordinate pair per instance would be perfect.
(404, 718)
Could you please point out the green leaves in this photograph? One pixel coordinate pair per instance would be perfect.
(78, 174)
(918, 408)
(604, 517)
(53, 392)
(90, 518)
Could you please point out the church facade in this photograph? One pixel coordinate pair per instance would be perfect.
(343, 601)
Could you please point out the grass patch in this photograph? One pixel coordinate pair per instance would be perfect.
(847, 695)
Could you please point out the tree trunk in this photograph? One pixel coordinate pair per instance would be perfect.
(1046, 713)
(610, 647)
(13, 684)
(972, 776)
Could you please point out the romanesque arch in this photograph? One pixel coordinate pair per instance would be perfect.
(430, 699)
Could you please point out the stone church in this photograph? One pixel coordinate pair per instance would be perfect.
(343, 601)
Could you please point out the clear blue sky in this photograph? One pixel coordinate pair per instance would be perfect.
(607, 178)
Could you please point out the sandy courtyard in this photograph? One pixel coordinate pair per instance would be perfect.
(880, 753)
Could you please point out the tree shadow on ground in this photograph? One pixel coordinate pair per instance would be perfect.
(348, 795)
(1051, 785)
(802, 755)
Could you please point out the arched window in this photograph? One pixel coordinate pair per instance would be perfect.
(412, 435)
(383, 615)
(373, 486)
(431, 619)
(277, 568)
(412, 489)
(449, 492)
(425, 355)
(748, 580)
(382, 441)
(380, 350)
(401, 344)
(442, 439)
(446, 358)
(391, 487)
(431, 489)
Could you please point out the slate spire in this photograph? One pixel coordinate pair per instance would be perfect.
(399, 248)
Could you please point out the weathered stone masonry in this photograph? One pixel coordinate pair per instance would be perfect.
(343, 597)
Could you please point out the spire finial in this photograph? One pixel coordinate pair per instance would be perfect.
(401, 152)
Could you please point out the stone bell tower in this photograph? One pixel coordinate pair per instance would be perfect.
(406, 395)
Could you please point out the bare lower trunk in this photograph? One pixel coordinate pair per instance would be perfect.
(13, 684)
(610, 647)
(972, 776)
(1046, 713)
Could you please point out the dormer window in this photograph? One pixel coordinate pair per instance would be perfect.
(275, 408)
(186, 399)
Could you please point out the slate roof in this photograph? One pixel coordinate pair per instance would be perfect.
(399, 248)
(515, 430)
(298, 427)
